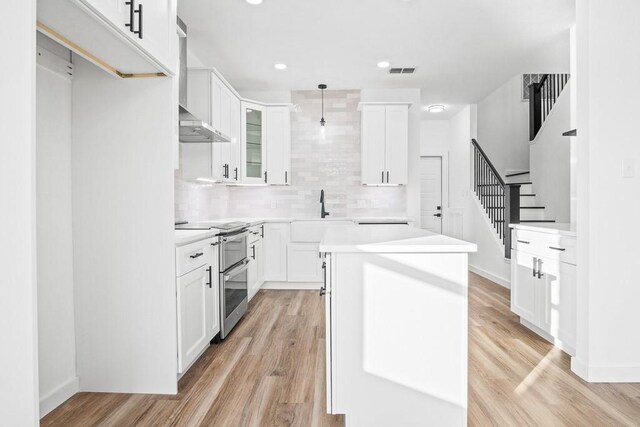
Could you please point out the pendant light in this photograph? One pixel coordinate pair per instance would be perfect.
(322, 87)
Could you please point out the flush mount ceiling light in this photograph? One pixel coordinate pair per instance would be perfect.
(384, 64)
(322, 87)
(436, 108)
(254, 1)
(280, 66)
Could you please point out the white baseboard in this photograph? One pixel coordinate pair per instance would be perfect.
(292, 285)
(605, 374)
(553, 340)
(505, 283)
(58, 396)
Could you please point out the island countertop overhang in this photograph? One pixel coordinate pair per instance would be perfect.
(390, 239)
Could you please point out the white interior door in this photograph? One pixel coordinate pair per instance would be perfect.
(431, 193)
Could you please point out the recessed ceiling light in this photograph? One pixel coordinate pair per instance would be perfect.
(254, 1)
(384, 64)
(280, 66)
(436, 108)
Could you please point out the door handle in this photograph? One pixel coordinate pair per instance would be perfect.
(540, 268)
(438, 215)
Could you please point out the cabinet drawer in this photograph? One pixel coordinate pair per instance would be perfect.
(545, 245)
(255, 233)
(312, 231)
(192, 256)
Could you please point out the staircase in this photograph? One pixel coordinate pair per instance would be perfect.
(542, 97)
(505, 202)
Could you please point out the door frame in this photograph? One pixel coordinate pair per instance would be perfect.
(444, 179)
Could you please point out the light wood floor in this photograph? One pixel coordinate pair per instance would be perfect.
(270, 372)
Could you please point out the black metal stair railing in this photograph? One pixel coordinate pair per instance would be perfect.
(542, 97)
(501, 201)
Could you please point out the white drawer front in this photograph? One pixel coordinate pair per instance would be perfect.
(192, 256)
(545, 245)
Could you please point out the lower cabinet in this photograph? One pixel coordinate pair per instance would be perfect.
(543, 287)
(303, 263)
(198, 307)
(276, 238)
(255, 253)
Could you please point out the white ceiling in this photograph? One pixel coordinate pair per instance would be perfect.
(463, 49)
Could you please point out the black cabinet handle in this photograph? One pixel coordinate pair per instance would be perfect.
(139, 30)
(382, 177)
(535, 261)
(265, 176)
(286, 178)
(523, 242)
(253, 251)
(210, 278)
(387, 177)
(540, 268)
(236, 172)
(557, 249)
(132, 6)
(199, 254)
(438, 215)
(323, 289)
(262, 231)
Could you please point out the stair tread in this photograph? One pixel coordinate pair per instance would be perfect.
(527, 195)
(519, 183)
(517, 174)
(537, 220)
(532, 207)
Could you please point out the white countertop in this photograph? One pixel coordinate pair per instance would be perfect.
(390, 239)
(256, 221)
(184, 237)
(564, 229)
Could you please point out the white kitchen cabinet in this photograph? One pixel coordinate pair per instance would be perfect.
(193, 328)
(254, 153)
(198, 303)
(234, 154)
(384, 144)
(276, 238)
(303, 263)
(101, 32)
(543, 284)
(278, 145)
(255, 253)
(260, 262)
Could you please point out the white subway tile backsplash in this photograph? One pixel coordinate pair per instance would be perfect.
(332, 164)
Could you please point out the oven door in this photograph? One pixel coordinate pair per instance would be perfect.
(233, 249)
(234, 296)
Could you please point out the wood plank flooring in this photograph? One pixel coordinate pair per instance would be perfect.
(270, 372)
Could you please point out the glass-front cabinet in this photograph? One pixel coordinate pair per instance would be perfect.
(253, 143)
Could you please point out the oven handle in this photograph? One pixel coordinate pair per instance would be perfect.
(235, 236)
(239, 269)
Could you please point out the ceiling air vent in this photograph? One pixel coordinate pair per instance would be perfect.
(406, 70)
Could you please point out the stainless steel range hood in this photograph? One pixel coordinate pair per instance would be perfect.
(193, 129)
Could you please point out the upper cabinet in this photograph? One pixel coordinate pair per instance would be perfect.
(385, 143)
(278, 145)
(209, 98)
(253, 143)
(125, 38)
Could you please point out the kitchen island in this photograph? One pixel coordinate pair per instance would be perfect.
(396, 326)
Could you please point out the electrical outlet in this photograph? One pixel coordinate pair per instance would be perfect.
(628, 168)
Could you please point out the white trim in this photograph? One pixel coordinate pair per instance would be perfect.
(362, 104)
(505, 283)
(487, 220)
(292, 285)
(58, 396)
(605, 374)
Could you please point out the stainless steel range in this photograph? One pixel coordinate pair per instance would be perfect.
(233, 264)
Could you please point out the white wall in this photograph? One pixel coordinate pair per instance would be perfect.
(550, 158)
(413, 96)
(18, 321)
(123, 232)
(608, 346)
(434, 137)
(56, 326)
(503, 127)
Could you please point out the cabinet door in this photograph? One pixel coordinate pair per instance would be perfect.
(278, 145)
(235, 173)
(218, 151)
(260, 262)
(397, 144)
(114, 11)
(253, 143)
(330, 355)
(373, 144)
(157, 19)
(193, 328)
(523, 287)
(303, 263)
(252, 270)
(213, 293)
(558, 300)
(276, 238)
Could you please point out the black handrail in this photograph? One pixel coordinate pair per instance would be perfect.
(486, 158)
(542, 97)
